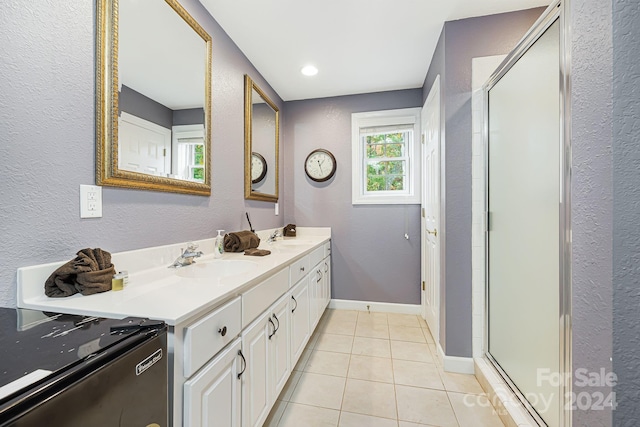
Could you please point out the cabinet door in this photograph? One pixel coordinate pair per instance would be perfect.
(299, 310)
(212, 397)
(327, 281)
(315, 294)
(279, 367)
(255, 387)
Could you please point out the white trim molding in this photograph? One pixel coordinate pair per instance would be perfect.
(458, 365)
(383, 307)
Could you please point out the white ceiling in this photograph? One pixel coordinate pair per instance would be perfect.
(359, 46)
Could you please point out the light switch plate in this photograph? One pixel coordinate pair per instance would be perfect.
(90, 201)
(277, 209)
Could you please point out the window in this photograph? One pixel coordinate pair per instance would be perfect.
(386, 157)
(188, 146)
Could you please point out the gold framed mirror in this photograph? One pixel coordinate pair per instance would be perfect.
(153, 98)
(261, 144)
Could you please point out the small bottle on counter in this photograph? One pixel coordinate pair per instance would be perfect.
(218, 248)
(119, 281)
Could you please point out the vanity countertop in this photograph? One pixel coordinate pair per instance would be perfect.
(161, 293)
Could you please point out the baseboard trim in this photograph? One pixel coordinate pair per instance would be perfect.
(386, 307)
(458, 365)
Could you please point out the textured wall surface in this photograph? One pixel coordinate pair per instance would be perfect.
(591, 198)
(462, 41)
(372, 261)
(626, 210)
(47, 146)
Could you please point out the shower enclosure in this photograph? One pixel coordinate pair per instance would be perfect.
(527, 196)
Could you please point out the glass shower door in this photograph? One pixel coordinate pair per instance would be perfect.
(524, 193)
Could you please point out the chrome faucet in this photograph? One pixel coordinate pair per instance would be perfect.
(274, 236)
(187, 256)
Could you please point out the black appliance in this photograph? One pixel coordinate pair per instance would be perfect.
(66, 370)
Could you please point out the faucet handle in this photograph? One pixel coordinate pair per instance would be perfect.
(191, 247)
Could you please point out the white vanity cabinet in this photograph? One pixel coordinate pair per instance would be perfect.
(299, 314)
(213, 396)
(255, 387)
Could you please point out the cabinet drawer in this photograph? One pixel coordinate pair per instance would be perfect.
(316, 256)
(259, 298)
(298, 270)
(207, 336)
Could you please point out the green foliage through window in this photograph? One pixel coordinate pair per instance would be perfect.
(386, 161)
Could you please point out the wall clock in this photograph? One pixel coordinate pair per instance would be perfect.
(258, 168)
(320, 165)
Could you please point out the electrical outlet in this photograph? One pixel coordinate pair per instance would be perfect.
(90, 201)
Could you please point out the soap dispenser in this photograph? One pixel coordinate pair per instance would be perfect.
(218, 249)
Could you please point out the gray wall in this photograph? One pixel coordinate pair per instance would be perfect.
(372, 261)
(626, 212)
(461, 41)
(188, 116)
(139, 105)
(47, 146)
(591, 198)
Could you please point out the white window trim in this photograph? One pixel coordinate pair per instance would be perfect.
(405, 116)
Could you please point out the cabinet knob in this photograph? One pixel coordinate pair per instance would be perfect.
(223, 331)
(301, 268)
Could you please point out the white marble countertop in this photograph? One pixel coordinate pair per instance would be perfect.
(158, 292)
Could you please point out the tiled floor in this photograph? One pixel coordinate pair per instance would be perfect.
(365, 369)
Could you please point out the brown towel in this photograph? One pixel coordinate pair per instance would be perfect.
(257, 252)
(88, 273)
(289, 230)
(240, 240)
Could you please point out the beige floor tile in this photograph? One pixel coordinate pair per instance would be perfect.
(408, 424)
(372, 317)
(371, 368)
(428, 336)
(406, 333)
(474, 411)
(417, 352)
(276, 413)
(417, 374)
(371, 347)
(333, 342)
(372, 330)
(425, 406)
(304, 357)
(296, 415)
(462, 383)
(348, 419)
(369, 398)
(328, 363)
(288, 388)
(337, 326)
(398, 319)
(319, 390)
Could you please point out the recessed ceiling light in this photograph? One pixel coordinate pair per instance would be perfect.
(309, 70)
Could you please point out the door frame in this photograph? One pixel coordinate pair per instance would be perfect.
(432, 101)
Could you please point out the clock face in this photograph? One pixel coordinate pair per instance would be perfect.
(320, 165)
(258, 168)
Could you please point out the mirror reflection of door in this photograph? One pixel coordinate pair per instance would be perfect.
(161, 66)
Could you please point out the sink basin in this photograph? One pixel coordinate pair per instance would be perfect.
(215, 269)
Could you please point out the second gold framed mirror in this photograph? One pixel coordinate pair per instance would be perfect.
(261, 144)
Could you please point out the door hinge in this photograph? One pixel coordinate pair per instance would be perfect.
(422, 138)
(164, 152)
(422, 210)
(423, 285)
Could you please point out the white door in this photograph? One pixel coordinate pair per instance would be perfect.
(212, 397)
(299, 308)
(279, 368)
(431, 209)
(255, 388)
(143, 146)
